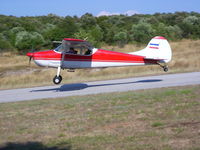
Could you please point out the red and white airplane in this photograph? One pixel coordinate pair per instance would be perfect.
(76, 54)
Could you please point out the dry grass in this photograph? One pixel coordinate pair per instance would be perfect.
(165, 118)
(15, 73)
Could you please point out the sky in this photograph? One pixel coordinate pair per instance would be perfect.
(96, 7)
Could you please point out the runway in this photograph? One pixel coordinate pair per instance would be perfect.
(118, 85)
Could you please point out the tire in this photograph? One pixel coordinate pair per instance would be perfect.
(165, 69)
(57, 80)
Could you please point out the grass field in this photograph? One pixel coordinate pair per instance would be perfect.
(155, 119)
(15, 73)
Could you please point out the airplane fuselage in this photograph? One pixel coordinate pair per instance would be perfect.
(98, 58)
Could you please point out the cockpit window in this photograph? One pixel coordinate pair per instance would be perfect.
(76, 48)
(59, 48)
(81, 50)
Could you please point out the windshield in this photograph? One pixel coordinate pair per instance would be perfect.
(59, 48)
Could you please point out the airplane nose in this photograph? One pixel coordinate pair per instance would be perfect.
(30, 54)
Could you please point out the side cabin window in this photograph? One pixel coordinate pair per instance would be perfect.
(80, 50)
(74, 48)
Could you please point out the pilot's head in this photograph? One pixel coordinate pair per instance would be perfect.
(71, 48)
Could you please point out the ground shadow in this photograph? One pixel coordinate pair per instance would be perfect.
(80, 86)
(66, 87)
(32, 146)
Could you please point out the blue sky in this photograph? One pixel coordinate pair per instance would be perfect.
(96, 7)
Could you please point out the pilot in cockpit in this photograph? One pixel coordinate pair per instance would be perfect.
(72, 50)
(88, 52)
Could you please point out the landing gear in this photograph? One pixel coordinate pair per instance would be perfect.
(58, 78)
(165, 67)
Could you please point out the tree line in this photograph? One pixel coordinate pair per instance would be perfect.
(24, 33)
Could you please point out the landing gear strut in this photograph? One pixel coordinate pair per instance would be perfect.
(58, 78)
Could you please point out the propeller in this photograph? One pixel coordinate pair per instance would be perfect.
(30, 58)
(30, 55)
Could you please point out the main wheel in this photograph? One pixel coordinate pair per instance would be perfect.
(57, 79)
(165, 69)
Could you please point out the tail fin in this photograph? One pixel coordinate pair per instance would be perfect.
(157, 49)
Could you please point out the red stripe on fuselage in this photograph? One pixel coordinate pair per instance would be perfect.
(106, 56)
(99, 56)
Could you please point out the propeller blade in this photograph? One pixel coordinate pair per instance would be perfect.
(30, 55)
(30, 58)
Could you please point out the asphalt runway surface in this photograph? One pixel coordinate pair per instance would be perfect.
(108, 86)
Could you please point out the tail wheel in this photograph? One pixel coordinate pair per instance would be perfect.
(57, 79)
(165, 69)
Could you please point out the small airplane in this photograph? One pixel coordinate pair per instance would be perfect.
(76, 54)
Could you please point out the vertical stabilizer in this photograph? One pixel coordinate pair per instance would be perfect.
(157, 49)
